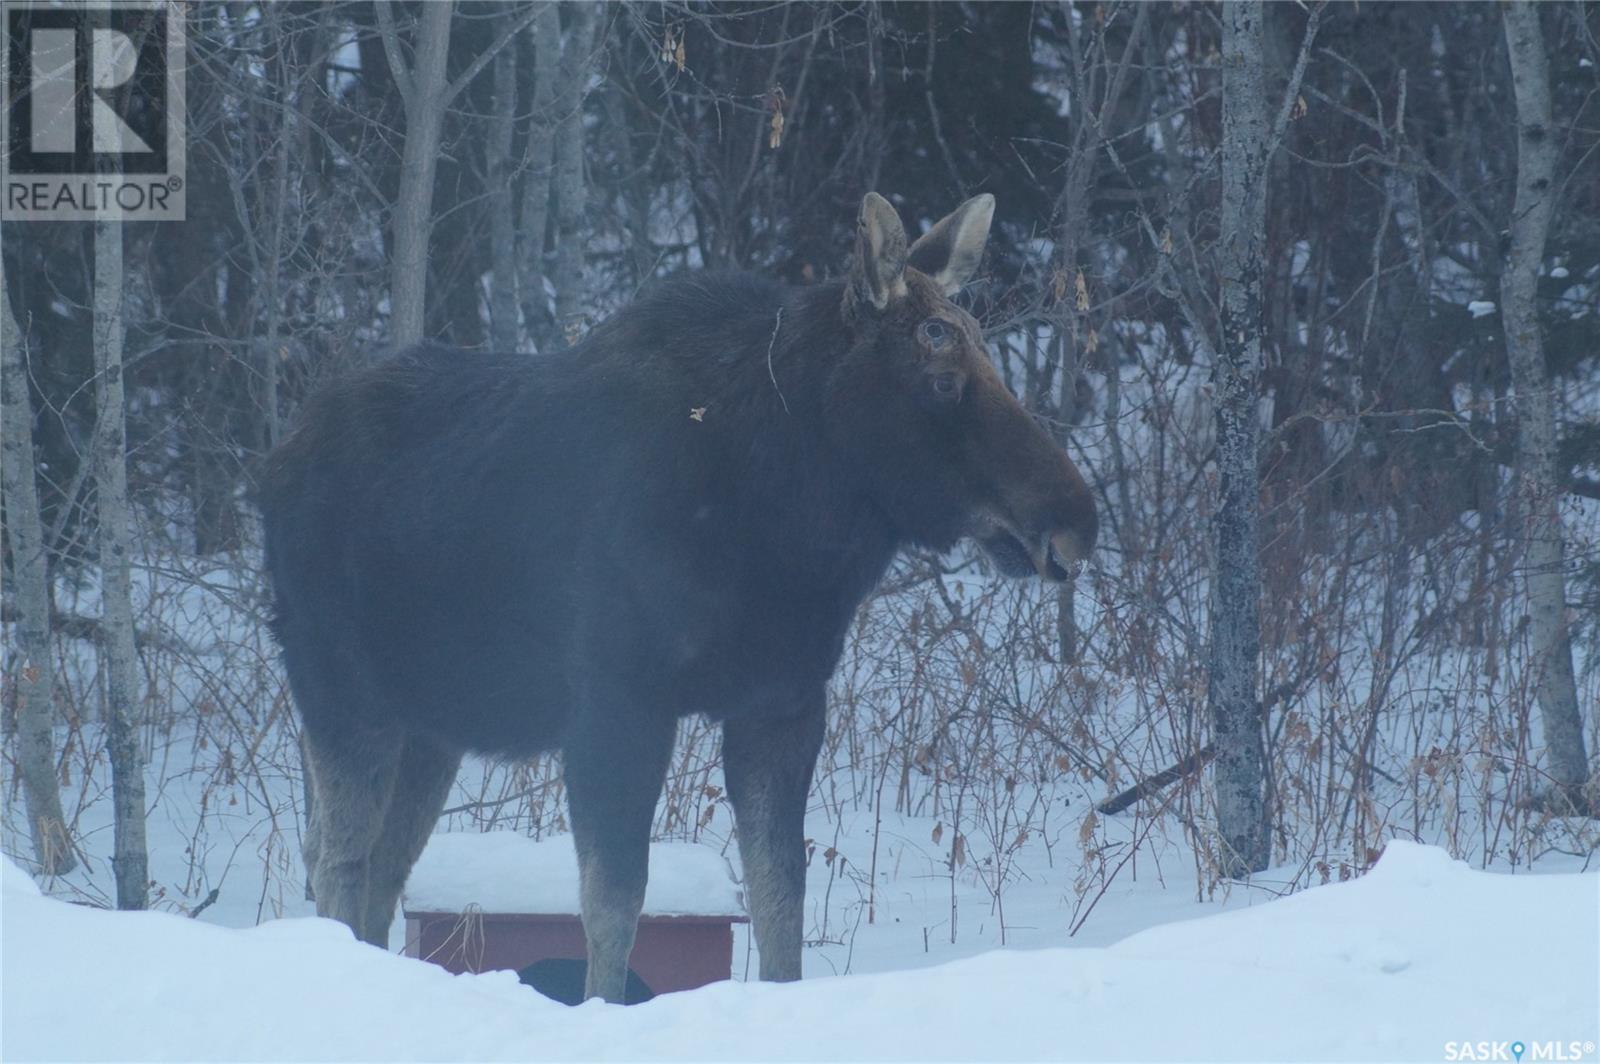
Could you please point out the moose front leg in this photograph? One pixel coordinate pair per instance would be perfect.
(614, 767)
(768, 764)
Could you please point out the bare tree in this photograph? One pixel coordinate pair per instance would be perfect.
(424, 95)
(30, 568)
(540, 165)
(1099, 82)
(1236, 584)
(130, 859)
(735, 136)
(502, 219)
(1551, 660)
(571, 192)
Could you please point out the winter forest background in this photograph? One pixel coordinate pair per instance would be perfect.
(1336, 266)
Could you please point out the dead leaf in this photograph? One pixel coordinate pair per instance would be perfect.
(938, 833)
(1086, 829)
(1058, 287)
(776, 100)
(1298, 111)
(1083, 292)
(697, 413)
(672, 50)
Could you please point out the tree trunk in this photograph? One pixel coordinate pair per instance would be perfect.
(536, 188)
(1538, 480)
(130, 859)
(271, 352)
(423, 93)
(212, 386)
(571, 193)
(30, 567)
(503, 330)
(1236, 585)
(634, 189)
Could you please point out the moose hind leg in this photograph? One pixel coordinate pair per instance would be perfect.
(421, 786)
(311, 843)
(768, 765)
(353, 772)
(614, 771)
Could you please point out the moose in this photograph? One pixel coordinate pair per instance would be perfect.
(508, 554)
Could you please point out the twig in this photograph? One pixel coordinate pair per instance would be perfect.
(210, 900)
(777, 323)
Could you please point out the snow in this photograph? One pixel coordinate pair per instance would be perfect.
(1481, 308)
(506, 872)
(1559, 272)
(1413, 959)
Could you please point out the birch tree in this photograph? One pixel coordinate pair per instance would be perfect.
(29, 660)
(571, 192)
(1236, 585)
(1537, 472)
(130, 856)
(540, 159)
(502, 219)
(424, 95)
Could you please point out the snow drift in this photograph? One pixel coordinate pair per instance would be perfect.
(1412, 961)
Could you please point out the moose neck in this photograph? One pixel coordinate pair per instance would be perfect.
(807, 502)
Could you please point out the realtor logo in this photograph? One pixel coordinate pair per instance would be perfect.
(93, 122)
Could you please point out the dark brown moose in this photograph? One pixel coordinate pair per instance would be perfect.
(509, 554)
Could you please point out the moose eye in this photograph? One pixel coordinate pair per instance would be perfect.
(946, 386)
(935, 333)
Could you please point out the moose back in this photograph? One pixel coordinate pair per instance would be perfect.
(680, 514)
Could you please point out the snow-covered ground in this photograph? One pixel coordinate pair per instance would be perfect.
(1423, 958)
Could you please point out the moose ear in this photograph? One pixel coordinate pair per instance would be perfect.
(949, 253)
(877, 273)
